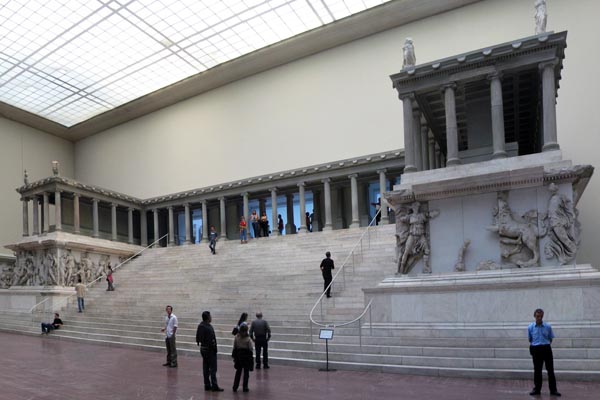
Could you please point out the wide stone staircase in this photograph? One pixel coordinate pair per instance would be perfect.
(280, 277)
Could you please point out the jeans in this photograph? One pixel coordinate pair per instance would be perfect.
(212, 246)
(80, 304)
(261, 342)
(171, 350)
(243, 235)
(209, 369)
(47, 327)
(256, 229)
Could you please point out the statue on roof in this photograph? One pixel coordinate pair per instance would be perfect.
(541, 16)
(408, 50)
(25, 177)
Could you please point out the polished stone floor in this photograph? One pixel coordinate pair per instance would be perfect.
(46, 368)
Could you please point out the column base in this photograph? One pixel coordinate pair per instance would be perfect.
(327, 228)
(384, 221)
(499, 154)
(354, 225)
(187, 243)
(453, 161)
(551, 146)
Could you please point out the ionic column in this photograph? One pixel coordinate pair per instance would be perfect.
(223, 215)
(113, 221)
(46, 216)
(171, 227)
(431, 156)
(549, 106)
(354, 195)
(497, 116)
(327, 192)
(130, 225)
(451, 125)
(289, 208)
(25, 201)
(188, 224)
(409, 147)
(303, 228)
(95, 225)
(36, 220)
(274, 230)
(143, 228)
(76, 217)
(438, 156)
(246, 209)
(425, 147)
(155, 220)
(417, 138)
(205, 227)
(382, 189)
(57, 211)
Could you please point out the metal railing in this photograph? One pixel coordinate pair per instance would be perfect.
(65, 300)
(355, 255)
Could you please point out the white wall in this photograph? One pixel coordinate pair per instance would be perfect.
(21, 148)
(339, 104)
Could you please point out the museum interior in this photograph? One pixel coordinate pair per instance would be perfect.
(441, 151)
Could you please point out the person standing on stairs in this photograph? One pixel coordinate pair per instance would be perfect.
(243, 230)
(207, 340)
(170, 329)
(212, 236)
(109, 278)
(326, 268)
(80, 289)
(243, 319)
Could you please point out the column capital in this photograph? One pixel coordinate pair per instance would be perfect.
(244, 194)
(76, 194)
(353, 176)
(95, 200)
(381, 171)
(58, 191)
(24, 198)
(301, 184)
(446, 86)
(495, 75)
(186, 204)
(325, 180)
(406, 96)
(221, 198)
(546, 64)
(204, 202)
(130, 209)
(155, 210)
(114, 205)
(274, 189)
(170, 208)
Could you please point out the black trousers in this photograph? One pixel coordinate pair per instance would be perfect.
(543, 355)
(209, 369)
(261, 342)
(327, 280)
(171, 350)
(238, 375)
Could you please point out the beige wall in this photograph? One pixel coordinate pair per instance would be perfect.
(339, 104)
(21, 148)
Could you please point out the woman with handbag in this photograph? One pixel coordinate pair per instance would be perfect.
(243, 357)
(242, 320)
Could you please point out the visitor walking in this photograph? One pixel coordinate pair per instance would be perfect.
(264, 225)
(326, 268)
(212, 236)
(260, 332)
(280, 225)
(242, 357)
(109, 278)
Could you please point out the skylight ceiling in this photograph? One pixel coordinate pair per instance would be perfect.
(69, 60)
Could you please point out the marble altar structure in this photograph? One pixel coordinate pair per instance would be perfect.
(505, 202)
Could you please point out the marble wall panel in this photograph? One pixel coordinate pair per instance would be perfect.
(477, 211)
(446, 235)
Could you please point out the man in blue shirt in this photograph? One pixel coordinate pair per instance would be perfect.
(540, 338)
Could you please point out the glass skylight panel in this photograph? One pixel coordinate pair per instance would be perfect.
(69, 60)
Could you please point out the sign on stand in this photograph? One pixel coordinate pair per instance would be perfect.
(327, 335)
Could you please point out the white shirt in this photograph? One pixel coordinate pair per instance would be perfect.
(170, 323)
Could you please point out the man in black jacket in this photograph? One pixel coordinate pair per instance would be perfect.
(206, 339)
(326, 267)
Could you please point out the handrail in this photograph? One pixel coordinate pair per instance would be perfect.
(320, 299)
(66, 299)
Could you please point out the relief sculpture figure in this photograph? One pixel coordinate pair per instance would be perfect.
(563, 230)
(51, 266)
(518, 238)
(69, 262)
(412, 240)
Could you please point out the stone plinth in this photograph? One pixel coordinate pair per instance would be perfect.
(567, 293)
(24, 298)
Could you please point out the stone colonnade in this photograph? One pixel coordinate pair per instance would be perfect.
(422, 152)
